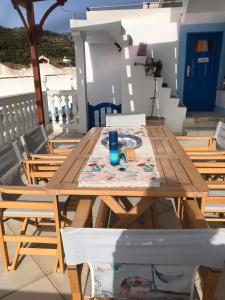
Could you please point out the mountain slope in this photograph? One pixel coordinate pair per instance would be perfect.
(15, 53)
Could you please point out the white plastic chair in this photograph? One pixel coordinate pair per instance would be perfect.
(142, 263)
(126, 120)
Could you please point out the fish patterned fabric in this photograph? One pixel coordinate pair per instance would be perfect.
(125, 281)
(140, 173)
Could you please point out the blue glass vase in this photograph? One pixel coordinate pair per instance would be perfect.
(113, 148)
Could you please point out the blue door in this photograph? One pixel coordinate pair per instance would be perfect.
(201, 70)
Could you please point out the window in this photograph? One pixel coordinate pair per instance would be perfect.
(203, 45)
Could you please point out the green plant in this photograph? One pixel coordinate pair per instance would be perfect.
(153, 68)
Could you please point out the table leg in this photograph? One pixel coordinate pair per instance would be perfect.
(127, 217)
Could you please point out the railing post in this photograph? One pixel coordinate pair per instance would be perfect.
(58, 99)
(2, 138)
(22, 118)
(66, 99)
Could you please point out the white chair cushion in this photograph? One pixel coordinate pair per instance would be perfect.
(220, 136)
(34, 212)
(125, 120)
(217, 193)
(220, 207)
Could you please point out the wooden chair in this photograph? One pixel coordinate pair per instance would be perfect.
(217, 141)
(29, 204)
(213, 172)
(126, 120)
(37, 142)
(40, 169)
(127, 263)
(30, 210)
(97, 113)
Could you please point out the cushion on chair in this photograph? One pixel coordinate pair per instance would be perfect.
(220, 207)
(30, 212)
(126, 120)
(220, 136)
(217, 193)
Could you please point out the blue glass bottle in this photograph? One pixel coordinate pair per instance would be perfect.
(113, 148)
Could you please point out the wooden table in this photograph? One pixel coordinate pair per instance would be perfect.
(179, 177)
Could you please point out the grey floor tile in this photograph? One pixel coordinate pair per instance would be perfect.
(41, 289)
(26, 273)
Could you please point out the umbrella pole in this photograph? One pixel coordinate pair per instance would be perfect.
(35, 63)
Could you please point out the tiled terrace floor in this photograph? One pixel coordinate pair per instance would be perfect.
(34, 278)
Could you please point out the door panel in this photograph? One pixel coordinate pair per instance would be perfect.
(201, 70)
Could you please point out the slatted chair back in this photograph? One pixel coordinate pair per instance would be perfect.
(35, 141)
(10, 164)
(126, 120)
(142, 263)
(220, 136)
(97, 113)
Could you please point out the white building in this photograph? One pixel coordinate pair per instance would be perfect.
(106, 74)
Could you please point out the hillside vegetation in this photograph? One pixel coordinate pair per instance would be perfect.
(15, 53)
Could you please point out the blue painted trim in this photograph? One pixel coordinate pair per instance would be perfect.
(184, 30)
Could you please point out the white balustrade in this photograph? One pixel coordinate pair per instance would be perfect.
(63, 109)
(18, 113)
(17, 116)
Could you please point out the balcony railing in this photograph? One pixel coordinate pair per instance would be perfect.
(63, 109)
(18, 116)
(141, 5)
(18, 113)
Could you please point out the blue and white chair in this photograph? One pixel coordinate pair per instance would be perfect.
(97, 113)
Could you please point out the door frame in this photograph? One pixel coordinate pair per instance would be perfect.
(192, 33)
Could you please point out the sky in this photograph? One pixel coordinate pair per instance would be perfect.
(58, 21)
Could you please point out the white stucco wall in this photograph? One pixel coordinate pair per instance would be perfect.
(204, 11)
(103, 73)
(107, 68)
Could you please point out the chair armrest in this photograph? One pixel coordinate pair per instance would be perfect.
(64, 140)
(207, 157)
(48, 156)
(43, 161)
(64, 150)
(202, 153)
(216, 185)
(184, 137)
(211, 171)
(209, 164)
(28, 190)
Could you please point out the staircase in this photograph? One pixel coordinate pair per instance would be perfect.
(137, 89)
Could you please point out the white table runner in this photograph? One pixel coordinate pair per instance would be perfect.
(140, 173)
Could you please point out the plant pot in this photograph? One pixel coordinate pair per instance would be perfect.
(155, 121)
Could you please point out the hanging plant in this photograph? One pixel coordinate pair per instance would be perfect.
(153, 68)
